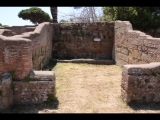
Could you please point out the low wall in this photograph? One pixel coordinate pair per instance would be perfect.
(83, 40)
(38, 87)
(141, 83)
(35, 90)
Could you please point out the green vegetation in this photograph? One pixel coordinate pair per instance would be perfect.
(142, 18)
(35, 15)
(155, 73)
(12, 72)
(63, 21)
(4, 25)
(51, 98)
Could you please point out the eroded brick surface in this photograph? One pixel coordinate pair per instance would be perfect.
(76, 40)
(141, 83)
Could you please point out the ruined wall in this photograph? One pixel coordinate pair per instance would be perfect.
(141, 83)
(15, 56)
(41, 39)
(76, 40)
(134, 47)
(6, 32)
(30, 50)
(37, 89)
(20, 29)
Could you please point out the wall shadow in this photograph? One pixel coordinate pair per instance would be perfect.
(51, 64)
(32, 108)
(144, 106)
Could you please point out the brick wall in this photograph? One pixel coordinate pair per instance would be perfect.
(6, 32)
(134, 47)
(19, 29)
(34, 91)
(141, 83)
(15, 55)
(41, 39)
(76, 40)
(38, 87)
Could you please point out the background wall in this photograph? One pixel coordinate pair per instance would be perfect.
(76, 40)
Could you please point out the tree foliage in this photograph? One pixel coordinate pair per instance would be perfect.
(142, 18)
(35, 15)
(62, 20)
(4, 25)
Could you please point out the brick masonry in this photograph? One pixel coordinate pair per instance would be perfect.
(6, 92)
(134, 47)
(141, 83)
(36, 89)
(25, 49)
(76, 40)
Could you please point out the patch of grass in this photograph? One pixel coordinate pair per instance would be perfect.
(51, 98)
(12, 72)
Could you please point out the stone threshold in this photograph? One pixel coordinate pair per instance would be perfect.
(90, 61)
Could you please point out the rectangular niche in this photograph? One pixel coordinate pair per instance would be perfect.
(97, 39)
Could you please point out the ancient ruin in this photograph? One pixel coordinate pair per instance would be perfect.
(25, 50)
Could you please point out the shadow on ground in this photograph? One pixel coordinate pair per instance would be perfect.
(51, 64)
(32, 108)
(145, 106)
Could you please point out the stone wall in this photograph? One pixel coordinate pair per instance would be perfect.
(141, 83)
(134, 47)
(78, 40)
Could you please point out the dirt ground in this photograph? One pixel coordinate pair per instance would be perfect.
(87, 88)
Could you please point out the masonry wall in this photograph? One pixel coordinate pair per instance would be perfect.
(6, 32)
(37, 87)
(30, 50)
(134, 47)
(40, 86)
(15, 56)
(19, 29)
(76, 40)
(141, 83)
(41, 39)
